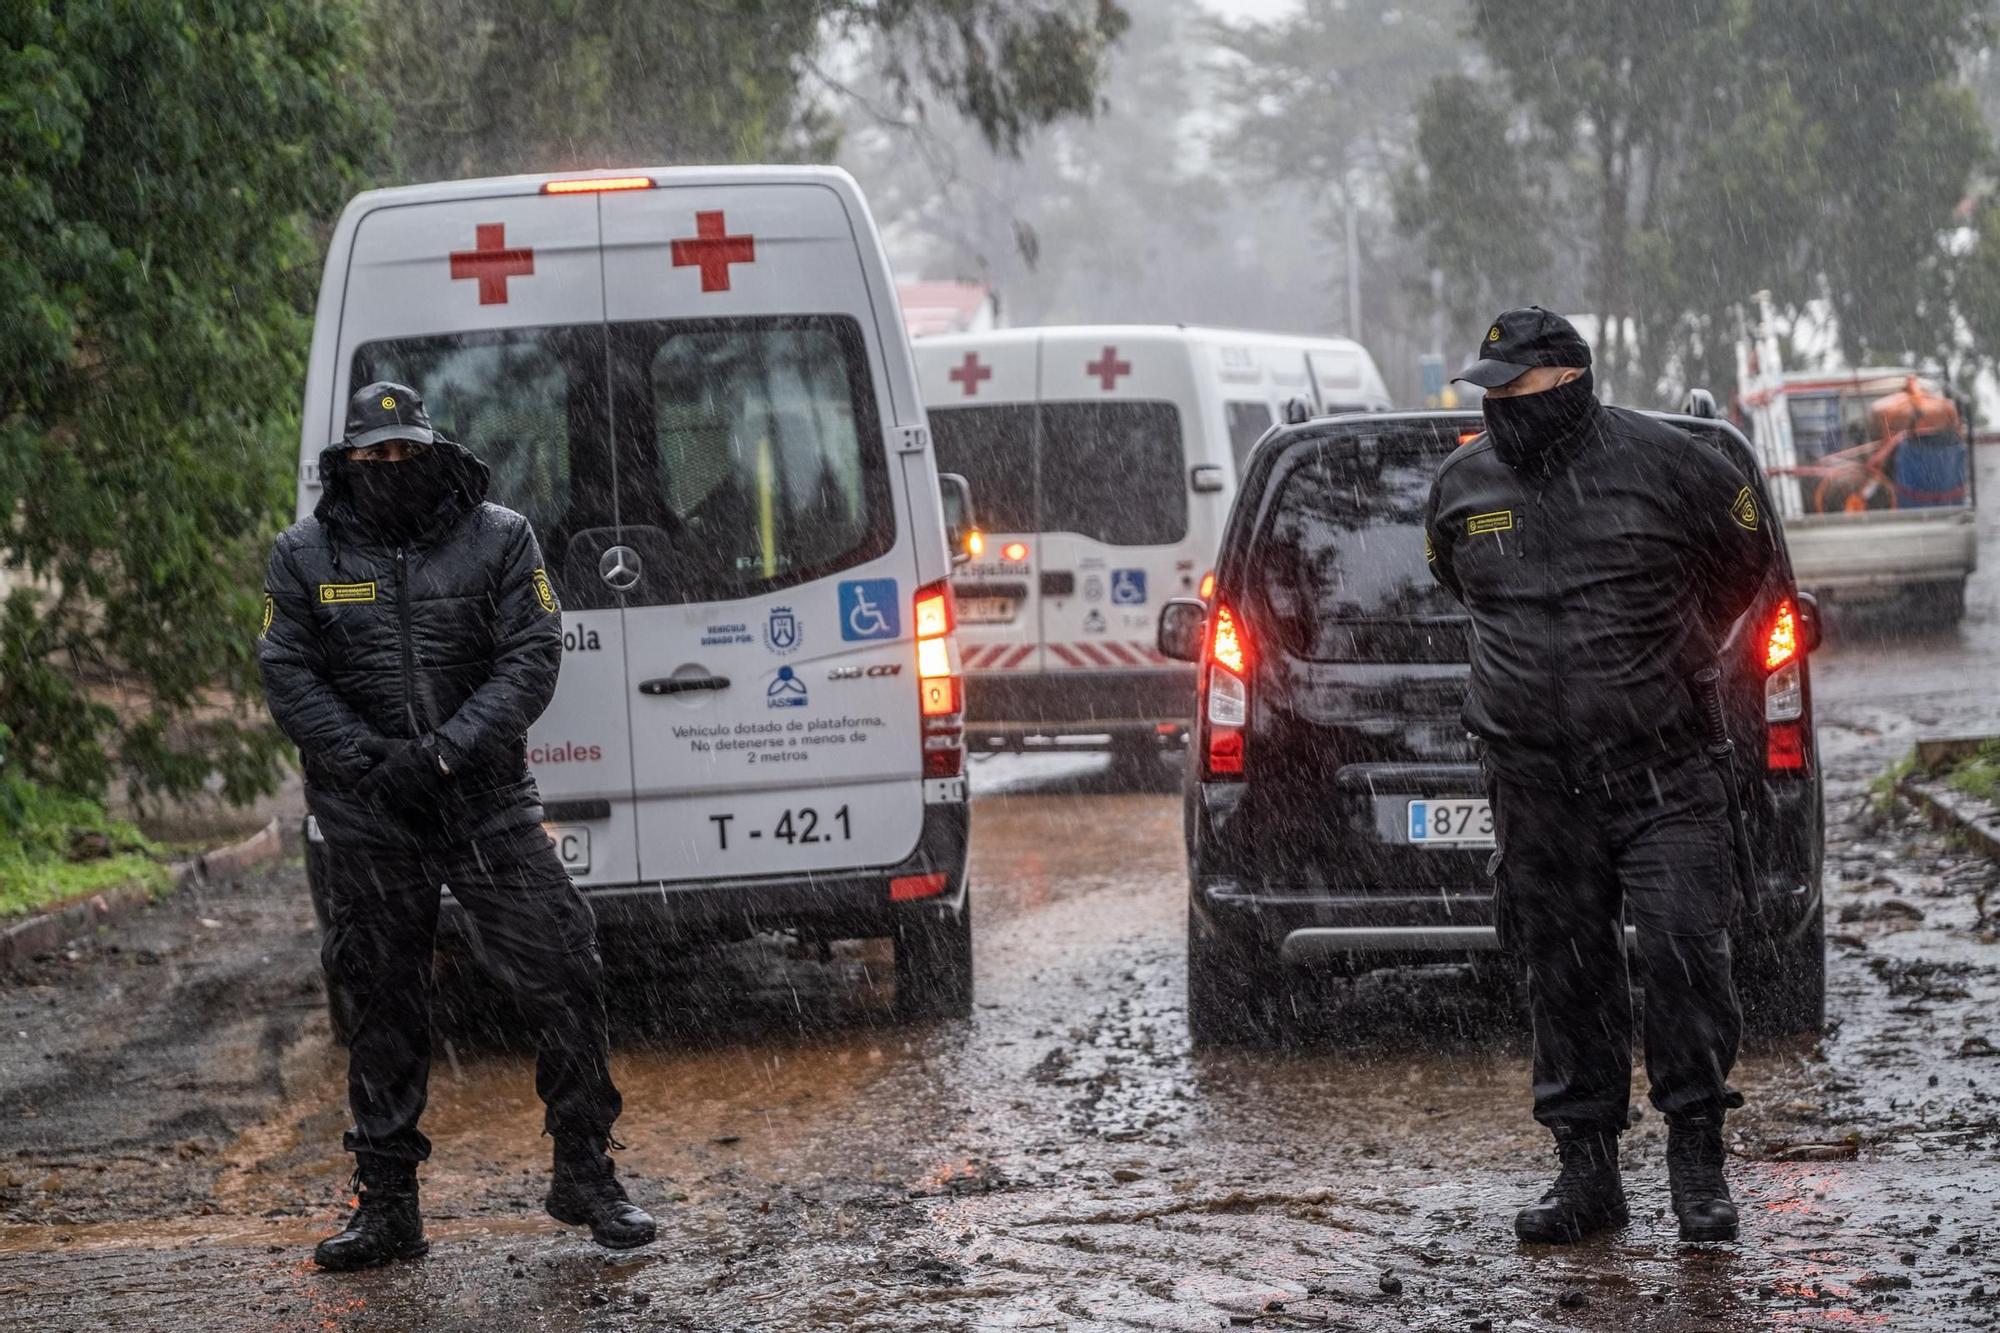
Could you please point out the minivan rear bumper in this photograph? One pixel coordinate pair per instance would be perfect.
(1002, 708)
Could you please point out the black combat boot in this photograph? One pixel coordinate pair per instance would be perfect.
(386, 1226)
(1587, 1196)
(585, 1193)
(1694, 1172)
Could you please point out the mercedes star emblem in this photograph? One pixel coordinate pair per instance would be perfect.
(619, 567)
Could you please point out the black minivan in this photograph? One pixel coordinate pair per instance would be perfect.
(1336, 817)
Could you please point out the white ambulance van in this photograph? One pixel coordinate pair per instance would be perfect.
(695, 382)
(1103, 461)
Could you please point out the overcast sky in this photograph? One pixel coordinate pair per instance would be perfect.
(1251, 9)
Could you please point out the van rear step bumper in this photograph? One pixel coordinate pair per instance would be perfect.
(1311, 942)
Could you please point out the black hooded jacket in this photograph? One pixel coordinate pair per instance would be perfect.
(454, 634)
(1599, 577)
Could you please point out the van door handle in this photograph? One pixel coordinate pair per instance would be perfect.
(683, 684)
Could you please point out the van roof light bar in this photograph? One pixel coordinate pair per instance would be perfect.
(597, 184)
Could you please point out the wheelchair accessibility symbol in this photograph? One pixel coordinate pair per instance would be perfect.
(868, 610)
(1128, 587)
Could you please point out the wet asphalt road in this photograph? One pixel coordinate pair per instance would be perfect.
(170, 1110)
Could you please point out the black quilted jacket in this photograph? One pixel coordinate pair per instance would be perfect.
(456, 634)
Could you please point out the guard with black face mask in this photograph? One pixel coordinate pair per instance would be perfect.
(410, 637)
(1602, 557)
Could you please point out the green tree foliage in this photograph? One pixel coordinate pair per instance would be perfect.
(489, 86)
(1684, 156)
(157, 160)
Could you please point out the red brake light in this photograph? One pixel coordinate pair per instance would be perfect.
(1781, 645)
(1785, 746)
(1014, 552)
(1468, 436)
(934, 611)
(1228, 648)
(597, 185)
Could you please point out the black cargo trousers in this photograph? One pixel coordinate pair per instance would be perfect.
(536, 932)
(1649, 846)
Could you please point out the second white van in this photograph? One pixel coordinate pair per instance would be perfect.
(1102, 461)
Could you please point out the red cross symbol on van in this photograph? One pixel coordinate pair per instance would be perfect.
(492, 263)
(713, 250)
(971, 373)
(1109, 368)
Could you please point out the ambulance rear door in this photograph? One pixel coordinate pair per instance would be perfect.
(1114, 429)
(492, 307)
(766, 533)
(981, 405)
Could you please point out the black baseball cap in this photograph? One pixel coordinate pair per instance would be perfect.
(386, 410)
(1519, 341)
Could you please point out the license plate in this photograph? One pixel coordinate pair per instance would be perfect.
(572, 846)
(803, 826)
(1458, 823)
(986, 610)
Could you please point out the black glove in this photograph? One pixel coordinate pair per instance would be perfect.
(410, 775)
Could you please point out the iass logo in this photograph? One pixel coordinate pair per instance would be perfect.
(786, 690)
(782, 632)
(581, 639)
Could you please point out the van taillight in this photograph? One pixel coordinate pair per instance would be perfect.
(597, 184)
(1225, 693)
(1784, 693)
(940, 689)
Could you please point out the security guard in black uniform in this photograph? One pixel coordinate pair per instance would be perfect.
(1602, 556)
(410, 637)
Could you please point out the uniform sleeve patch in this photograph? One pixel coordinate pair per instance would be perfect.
(1744, 510)
(1430, 552)
(338, 594)
(1500, 520)
(270, 609)
(545, 593)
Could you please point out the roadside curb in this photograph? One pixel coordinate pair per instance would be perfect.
(1976, 820)
(44, 934)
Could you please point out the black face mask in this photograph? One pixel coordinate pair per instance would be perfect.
(1533, 429)
(399, 500)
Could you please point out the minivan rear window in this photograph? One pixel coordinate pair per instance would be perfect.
(744, 454)
(1112, 472)
(1340, 565)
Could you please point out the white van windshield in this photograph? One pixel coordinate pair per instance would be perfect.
(1112, 472)
(745, 454)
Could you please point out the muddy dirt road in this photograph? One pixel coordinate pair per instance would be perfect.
(170, 1108)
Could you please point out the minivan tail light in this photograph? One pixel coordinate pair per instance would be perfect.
(940, 689)
(1785, 736)
(1781, 643)
(1785, 747)
(1225, 694)
(597, 184)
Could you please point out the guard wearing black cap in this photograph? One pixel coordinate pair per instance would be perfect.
(410, 637)
(1602, 557)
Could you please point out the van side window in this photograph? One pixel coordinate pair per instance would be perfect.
(1247, 424)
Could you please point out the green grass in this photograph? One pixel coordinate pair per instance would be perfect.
(1979, 775)
(54, 848)
(1882, 791)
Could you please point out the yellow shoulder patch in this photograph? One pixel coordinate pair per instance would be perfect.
(339, 594)
(1744, 510)
(1500, 520)
(270, 609)
(545, 593)
(1430, 552)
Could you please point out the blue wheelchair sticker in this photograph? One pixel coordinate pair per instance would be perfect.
(1128, 587)
(868, 610)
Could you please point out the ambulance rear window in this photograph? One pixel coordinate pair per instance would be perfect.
(993, 448)
(736, 456)
(1114, 472)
